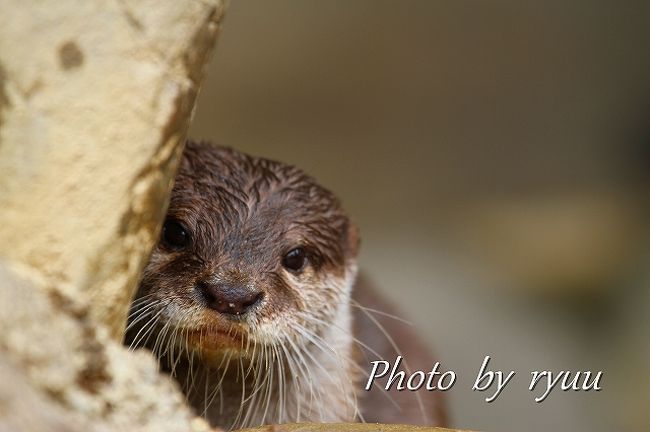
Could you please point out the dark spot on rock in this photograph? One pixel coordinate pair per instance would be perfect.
(4, 99)
(70, 56)
(62, 303)
(132, 20)
(94, 373)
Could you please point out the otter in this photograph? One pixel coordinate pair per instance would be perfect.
(247, 300)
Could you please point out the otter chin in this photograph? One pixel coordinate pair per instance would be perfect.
(245, 299)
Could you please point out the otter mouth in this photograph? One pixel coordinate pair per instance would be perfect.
(214, 339)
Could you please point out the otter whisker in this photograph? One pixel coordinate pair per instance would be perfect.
(190, 378)
(304, 373)
(146, 328)
(315, 397)
(218, 386)
(358, 305)
(342, 360)
(142, 307)
(160, 338)
(177, 347)
(252, 358)
(170, 347)
(266, 384)
(240, 371)
(269, 386)
(141, 300)
(296, 381)
(206, 403)
(390, 339)
(137, 316)
(359, 342)
(281, 385)
(251, 400)
(326, 348)
(357, 367)
(319, 343)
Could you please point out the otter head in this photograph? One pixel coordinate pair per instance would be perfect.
(253, 252)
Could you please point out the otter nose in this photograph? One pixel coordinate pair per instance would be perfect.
(229, 299)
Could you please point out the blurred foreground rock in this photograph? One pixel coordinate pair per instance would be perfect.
(61, 372)
(95, 100)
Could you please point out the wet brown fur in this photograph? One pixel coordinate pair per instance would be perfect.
(243, 215)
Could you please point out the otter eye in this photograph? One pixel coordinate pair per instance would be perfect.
(295, 259)
(175, 235)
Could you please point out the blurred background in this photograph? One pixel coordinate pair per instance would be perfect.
(496, 156)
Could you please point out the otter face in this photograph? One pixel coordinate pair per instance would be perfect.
(252, 252)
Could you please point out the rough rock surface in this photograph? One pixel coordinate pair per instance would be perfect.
(95, 100)
(60, 371)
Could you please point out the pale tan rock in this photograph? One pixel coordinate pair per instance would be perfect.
(58, 368)
(95, 100)
(31, 411)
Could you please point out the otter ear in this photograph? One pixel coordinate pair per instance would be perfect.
(353, 239)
